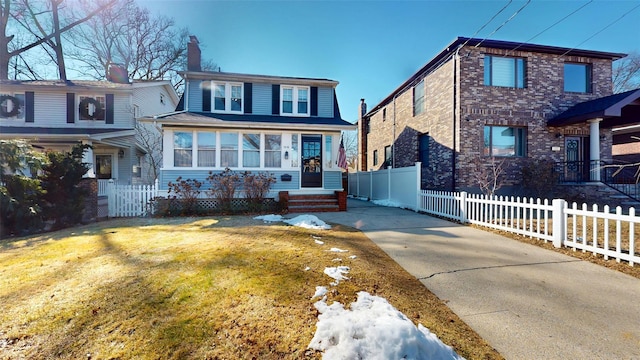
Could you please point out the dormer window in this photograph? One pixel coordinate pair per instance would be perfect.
(295, 100)
(91, 107)
(12, 106)
(227, 97)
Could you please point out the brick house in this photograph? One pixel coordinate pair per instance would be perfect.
(480, 98)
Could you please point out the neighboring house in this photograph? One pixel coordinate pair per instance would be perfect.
(513, 101)
(55, 115)
(287, 126)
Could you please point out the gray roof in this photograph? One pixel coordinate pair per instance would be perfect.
(613, 106)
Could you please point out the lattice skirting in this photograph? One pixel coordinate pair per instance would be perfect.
(163, 207)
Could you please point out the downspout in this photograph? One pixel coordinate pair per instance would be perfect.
(393, 143)
(455, 105)
(186, 93)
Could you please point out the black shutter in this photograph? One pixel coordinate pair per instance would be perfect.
(248, 98)
(109, 108)
(29, 110)
(314, 101)
(275, 99)
(71, 108)
(206, 96)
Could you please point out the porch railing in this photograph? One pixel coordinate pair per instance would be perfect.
(579, 171)
(623, 180)
(622, 177)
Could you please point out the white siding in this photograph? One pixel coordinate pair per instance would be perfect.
(148, 100)
(325, 102)
(262, 99)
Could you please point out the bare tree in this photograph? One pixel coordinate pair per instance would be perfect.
(350, 141)
(43, 24)
(149, 138)
(148, 47)
(626, 73)
(488, 174)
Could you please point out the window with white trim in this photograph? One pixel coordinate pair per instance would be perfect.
(227, 97)
(251, 150)
(91, 107)
(12, 105)
(229, 149)
(294, 100)
(206, 149)
(182, 149)
(273, 150)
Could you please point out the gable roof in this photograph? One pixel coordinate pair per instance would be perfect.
(604, 107)
(225, 76)
(450, 49)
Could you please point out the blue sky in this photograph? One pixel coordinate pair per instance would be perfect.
(371, 47)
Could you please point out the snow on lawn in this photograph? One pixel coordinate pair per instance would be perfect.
(337, 250)
(373, 329)
(305, 221)
(337, 273)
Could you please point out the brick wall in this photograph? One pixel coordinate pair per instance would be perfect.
(479, 105)
(91, 199)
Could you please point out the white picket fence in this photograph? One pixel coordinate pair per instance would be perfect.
(589, 230)
(130, 200)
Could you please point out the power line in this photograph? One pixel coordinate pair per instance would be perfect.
(487, 23)
(603, 29)
(552, 25)
(504, 23)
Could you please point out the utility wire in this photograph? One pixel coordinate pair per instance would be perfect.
(487, 23)
(552, 25)
(603, 29)
(504, 23)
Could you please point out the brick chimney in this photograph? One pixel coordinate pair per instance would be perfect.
(363, 125)
(193, 54)
(117, 74)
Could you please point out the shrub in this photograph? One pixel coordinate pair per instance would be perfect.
(257, 187)
(19, 200)
(63, 197)
(539, 178)
(223, 187)
(185, 200)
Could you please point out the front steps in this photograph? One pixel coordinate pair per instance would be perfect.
(304, 203)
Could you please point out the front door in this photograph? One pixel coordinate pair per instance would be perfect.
(104, 166)
(577, 159)
(311, 161)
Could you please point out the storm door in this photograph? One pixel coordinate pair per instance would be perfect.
(311, 161)
(104, 166)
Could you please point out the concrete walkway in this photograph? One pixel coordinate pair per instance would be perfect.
(527, 302)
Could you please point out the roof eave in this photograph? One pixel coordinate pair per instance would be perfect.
(217, 123)
(212, 75)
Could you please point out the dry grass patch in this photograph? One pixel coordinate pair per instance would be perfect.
(206, 288)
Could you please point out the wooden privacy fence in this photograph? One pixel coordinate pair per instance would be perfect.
(130, 200)
(610, 234)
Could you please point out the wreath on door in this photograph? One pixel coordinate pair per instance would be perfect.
(15, 109)
(84, 108)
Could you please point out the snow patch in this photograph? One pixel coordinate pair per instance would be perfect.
(387, 203)
(352, 257)
(373, 329)
(320, 292)
(269, 218)
(319, 242)
(337, 273)
(308, 222)
(337, 250)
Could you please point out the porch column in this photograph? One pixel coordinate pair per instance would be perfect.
(594, 149)
(87, 157)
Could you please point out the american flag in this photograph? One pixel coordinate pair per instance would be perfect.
(342, 156)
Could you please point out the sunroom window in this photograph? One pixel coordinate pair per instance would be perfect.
(229, 149)
(206, 149)
(251, 150)
(505, 141)
(272, 151)
(504, 71)
(182, 149)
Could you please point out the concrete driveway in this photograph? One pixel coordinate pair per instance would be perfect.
(527, 302)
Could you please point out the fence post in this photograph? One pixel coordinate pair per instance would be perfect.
(463, 207)
(389, 183)
(558, 221)
(111, 197)
(418, 185)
